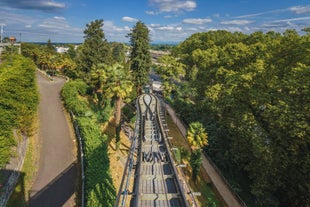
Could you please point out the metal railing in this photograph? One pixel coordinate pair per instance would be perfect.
(81, 157)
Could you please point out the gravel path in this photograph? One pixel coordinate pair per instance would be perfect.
(55, 181)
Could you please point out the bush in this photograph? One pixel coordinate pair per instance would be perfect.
(18, 101)
(99, 189)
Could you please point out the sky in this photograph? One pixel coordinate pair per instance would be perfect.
(169, 21)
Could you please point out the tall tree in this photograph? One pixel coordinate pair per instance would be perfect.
(118, 52)
(197, 138)
(50, 47)
(140, 57)
(170, 70)
(95, 49)
(116, 83)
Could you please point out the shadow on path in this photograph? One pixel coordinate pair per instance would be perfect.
(60, 187)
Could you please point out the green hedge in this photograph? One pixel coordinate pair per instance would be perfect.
(99, 189)
(18, 101)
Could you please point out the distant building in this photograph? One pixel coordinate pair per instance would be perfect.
(62, 49)
(157, 86)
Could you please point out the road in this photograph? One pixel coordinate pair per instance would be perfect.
(56, 177)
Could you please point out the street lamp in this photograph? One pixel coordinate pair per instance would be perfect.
(12, 41)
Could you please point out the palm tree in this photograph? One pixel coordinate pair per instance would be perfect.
(118, 84)
(197, 138)
(98, 77)
(196, 135)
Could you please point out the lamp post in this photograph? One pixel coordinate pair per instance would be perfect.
(12, 41)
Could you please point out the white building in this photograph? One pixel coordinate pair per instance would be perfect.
(62, 49)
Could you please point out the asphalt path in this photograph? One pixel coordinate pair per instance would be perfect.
(56, 176)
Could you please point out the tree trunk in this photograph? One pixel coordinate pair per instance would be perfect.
(118, 111)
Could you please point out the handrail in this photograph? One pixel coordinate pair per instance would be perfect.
(81, 152)
(165, 136)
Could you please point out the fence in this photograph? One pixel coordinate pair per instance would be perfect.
(81, 153)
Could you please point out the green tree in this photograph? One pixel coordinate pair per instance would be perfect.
(95, 49)
(115, 82)
(197, 138)
(140, 57)
(118, 52)
(250, 93)
(50, 47)
(170, 70)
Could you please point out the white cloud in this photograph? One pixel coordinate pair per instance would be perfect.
(150, 12)
(173, 5)
(292, 19)
(129, 19)
(166, 28)
(115, 33)
(196, 21)
(154, 25)
(300, 9)
(236, 22)
(59, 18)
(41, 5)
(54, 23)
(276, 11)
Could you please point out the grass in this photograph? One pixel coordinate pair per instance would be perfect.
(209, 197)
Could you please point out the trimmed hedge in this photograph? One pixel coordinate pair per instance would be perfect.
(18, 101)
(99, 189)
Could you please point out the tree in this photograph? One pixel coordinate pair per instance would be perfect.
(197, 138)
(118, 52)
(250, 93)
(115, 82)
(50, 47)
(170, 70)
(95, 49)
(140, 57)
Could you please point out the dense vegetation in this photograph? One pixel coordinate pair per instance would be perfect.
(99, 189)
(46, 58)
(251, 92)
(18, 101)
(105, 81)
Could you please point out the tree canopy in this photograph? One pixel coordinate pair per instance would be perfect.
(95, 49)
(251, 92)
(140, 57)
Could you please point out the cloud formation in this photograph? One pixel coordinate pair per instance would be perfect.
(236, 22)
(42, 5)
(196, 21)
(172, 5)
(300, 9)
(129, 19)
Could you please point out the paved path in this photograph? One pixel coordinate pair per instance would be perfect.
(55, 181)
(216, 179)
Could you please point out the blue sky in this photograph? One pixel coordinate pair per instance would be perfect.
(168, 20)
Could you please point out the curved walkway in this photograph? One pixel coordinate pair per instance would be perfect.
(56, 177)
